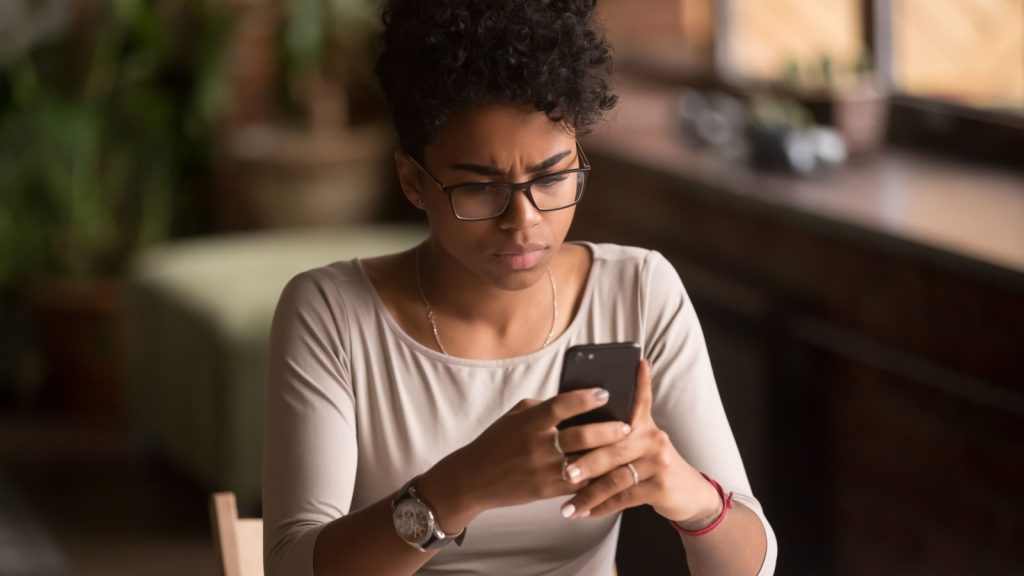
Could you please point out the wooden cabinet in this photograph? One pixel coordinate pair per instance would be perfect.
(875, 386)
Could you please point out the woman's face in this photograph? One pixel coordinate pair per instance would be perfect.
(504, 144)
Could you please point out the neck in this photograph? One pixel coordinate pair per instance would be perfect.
(457, 294)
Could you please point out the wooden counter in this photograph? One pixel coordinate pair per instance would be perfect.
(966, 216)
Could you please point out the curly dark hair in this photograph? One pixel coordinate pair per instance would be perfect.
(442, 56)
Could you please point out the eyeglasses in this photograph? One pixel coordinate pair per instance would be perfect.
(486, 200)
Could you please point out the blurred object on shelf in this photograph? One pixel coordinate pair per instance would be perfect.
(859, 114)
(851, 100)
(771, 132)
(784, 136)
(715, 120)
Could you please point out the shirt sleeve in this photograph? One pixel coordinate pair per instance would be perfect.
(686, 403)
(310, 451)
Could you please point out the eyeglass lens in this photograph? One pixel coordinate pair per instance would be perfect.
(487, 200)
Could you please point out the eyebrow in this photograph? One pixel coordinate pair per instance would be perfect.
(492, 171)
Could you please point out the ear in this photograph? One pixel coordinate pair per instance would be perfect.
(409, 178)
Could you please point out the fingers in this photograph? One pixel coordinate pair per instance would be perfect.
(610, 493)
(558, 488)
(589, 436)
(603, 460)
(644, 398)
(645, 436)
(524, 404)
(566, 405)
(626, 499)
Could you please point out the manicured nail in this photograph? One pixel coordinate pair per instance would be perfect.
(626, 429)
(567, 510)
(573, 472)
(584, 514)
(601, 395)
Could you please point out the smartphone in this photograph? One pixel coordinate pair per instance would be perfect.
(609, 366)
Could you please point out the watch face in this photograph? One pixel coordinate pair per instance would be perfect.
(413, 521)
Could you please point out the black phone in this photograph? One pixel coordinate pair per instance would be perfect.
(609, 366)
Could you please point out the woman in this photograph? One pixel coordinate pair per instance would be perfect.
(412, 408)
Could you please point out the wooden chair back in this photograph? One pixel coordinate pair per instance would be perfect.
(239, 541)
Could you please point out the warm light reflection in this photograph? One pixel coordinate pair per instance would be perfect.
(971, 52)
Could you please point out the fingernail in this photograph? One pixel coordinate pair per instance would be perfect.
(584, 514)
(626, 429)
(601, 395)
(568, 509)
(573, 472)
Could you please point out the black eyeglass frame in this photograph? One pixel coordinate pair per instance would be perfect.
(526, 187)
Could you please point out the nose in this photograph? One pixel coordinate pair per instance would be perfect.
(520, 213)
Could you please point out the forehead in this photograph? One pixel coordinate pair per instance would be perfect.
(499, 135)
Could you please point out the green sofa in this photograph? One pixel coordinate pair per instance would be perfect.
(199, 320)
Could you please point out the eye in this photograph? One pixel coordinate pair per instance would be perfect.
(552, 180)
(475, 188)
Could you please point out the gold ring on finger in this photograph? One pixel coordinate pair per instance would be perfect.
(636, 477)
(558, 446)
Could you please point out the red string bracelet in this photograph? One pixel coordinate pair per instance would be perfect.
(726, 504)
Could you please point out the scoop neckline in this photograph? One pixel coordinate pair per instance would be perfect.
(554, 345)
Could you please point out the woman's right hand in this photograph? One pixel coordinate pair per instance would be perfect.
(514, 461)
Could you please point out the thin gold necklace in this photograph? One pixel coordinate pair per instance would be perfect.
(430, 311)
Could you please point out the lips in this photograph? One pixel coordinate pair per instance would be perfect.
(520, 249)
(521, 257)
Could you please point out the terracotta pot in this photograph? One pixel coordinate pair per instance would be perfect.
(860, 114)
(80, 332)
(286, 177)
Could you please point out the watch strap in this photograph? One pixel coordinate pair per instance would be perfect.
(438, 537)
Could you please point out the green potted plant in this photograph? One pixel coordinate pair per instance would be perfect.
(104, 131)
(847, 97)
(321, 159)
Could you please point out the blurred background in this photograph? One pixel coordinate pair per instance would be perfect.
(840, 184)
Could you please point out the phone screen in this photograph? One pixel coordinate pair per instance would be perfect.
(609, 366)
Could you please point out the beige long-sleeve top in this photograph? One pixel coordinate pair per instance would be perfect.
(356, 407)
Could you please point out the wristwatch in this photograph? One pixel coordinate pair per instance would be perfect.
(416, 522)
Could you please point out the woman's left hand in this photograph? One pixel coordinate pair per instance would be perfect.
(664, 479)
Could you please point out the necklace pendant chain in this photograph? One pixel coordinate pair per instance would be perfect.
(433, 323)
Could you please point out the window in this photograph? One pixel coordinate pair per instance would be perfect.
(969, 52)
(808, 42)
(965, 52)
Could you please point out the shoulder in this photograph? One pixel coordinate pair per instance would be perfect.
(618, 261)
(324, 288)
(642, 278)
(617, 253)
(317, 307)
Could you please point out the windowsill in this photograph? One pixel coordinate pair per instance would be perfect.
(951, 213)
